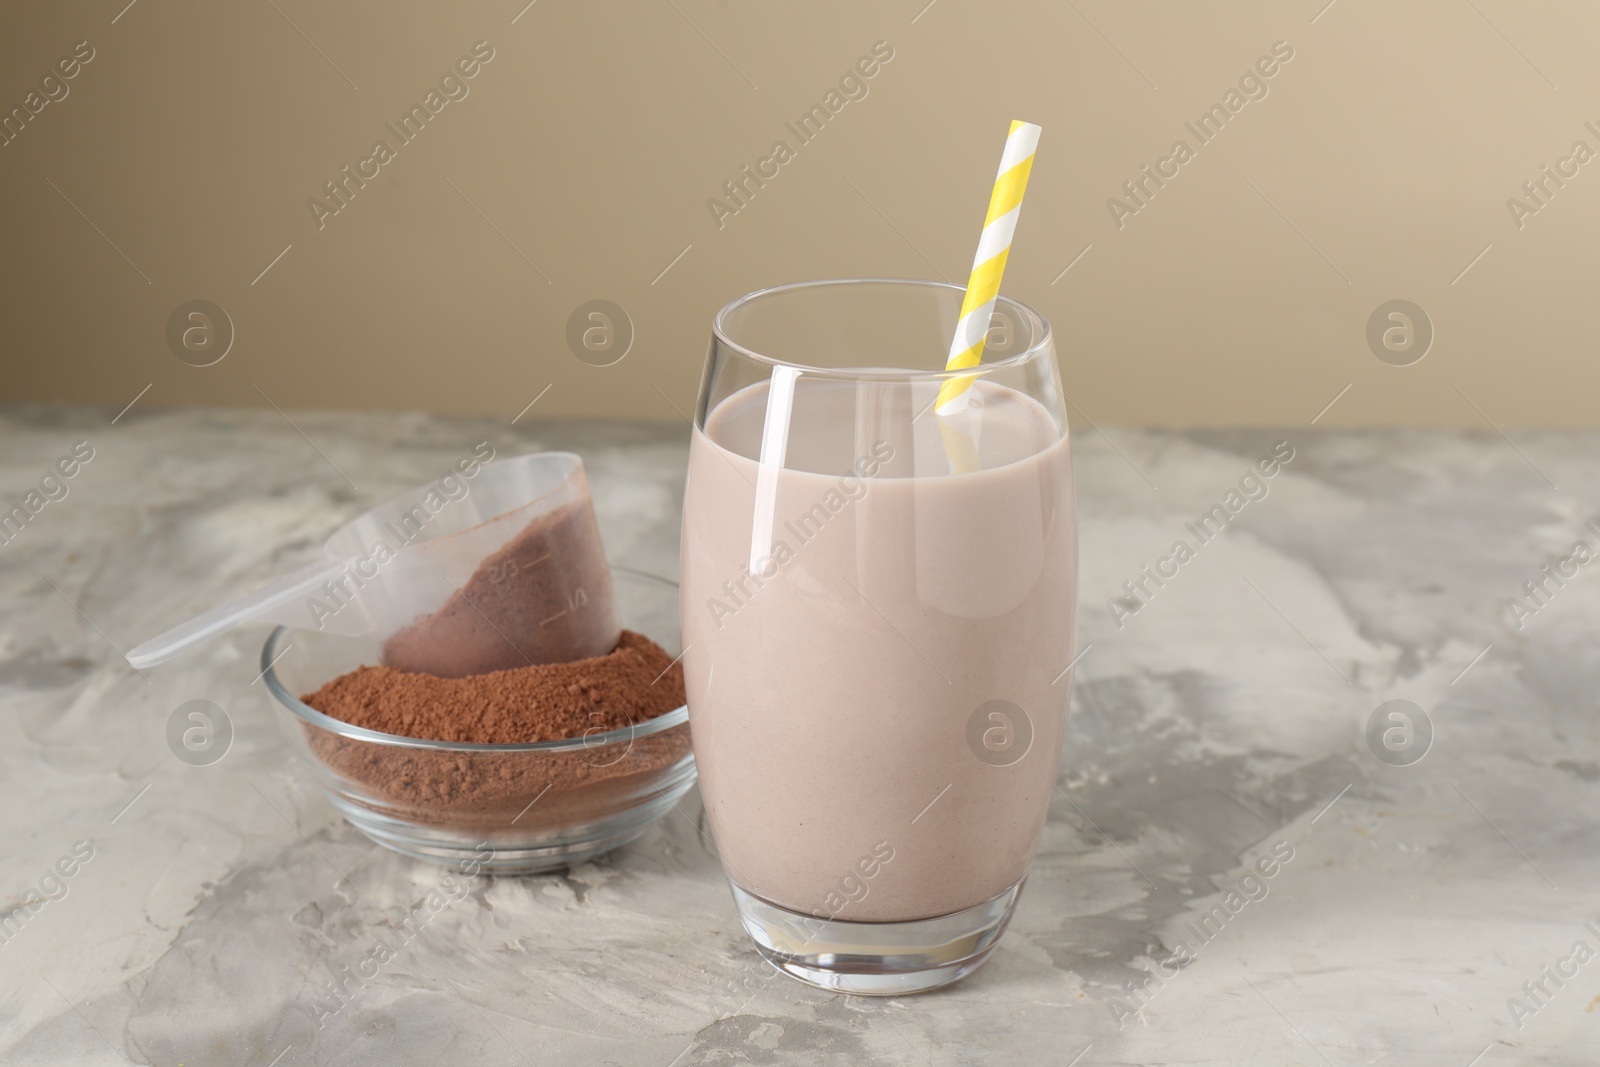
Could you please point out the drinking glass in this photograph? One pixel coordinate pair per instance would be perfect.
(879, 594)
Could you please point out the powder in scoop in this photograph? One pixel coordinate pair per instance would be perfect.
(543, 597)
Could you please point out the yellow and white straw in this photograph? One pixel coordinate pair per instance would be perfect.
(1005, 204)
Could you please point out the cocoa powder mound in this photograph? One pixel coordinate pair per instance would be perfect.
(550, 702)
(542, 597)
(485, 791)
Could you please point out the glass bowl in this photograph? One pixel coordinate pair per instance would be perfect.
(510, 809)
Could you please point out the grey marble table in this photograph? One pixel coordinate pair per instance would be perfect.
(1418, 912)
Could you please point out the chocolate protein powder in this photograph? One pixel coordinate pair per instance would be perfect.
(632, 684)
(543, 597)
(483, 791)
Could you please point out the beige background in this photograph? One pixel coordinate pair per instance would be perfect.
(1378, 167)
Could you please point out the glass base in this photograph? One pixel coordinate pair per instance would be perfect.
(878, 959)
(490, 857)
(510, 850)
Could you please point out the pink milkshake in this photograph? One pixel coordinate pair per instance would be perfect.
(833, 689)
(878, 610)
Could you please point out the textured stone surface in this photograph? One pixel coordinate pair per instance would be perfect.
(1221, 720)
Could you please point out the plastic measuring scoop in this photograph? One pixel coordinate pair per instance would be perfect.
(472, 573)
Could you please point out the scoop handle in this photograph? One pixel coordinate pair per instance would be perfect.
(283, 601)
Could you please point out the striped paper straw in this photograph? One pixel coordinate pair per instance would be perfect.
(1005, 203)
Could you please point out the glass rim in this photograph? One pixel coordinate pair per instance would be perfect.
(720, 334)
(312, 717)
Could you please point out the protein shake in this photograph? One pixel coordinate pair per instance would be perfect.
(850, 613)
